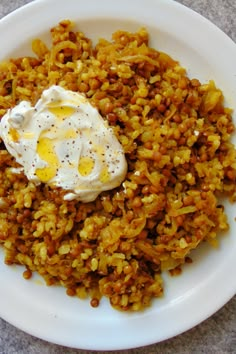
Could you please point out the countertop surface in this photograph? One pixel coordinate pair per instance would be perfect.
(216, 334)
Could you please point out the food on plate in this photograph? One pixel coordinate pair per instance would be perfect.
(170, 152)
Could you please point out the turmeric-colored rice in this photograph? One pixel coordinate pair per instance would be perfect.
(175, 132)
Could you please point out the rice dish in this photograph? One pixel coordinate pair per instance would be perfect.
(175, 133)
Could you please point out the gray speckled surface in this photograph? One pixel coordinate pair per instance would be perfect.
(217, 334)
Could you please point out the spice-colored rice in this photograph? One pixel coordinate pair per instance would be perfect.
(175, 132)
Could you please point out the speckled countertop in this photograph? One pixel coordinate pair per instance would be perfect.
(217, 334)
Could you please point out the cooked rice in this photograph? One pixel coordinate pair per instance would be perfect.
(175, 132)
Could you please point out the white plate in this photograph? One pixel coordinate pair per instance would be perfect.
(209, 282)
